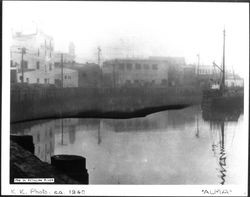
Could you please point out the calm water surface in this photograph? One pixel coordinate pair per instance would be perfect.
(188, 146)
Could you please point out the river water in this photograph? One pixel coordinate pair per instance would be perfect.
(187, 146)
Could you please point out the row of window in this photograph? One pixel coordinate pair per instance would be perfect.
(129, 66)
(38, 53)
(67, 77)
(136, 81)
(38, 66)
(46, 80)
(205, 71)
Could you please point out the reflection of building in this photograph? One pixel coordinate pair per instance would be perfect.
(36, 50)
(137, 72)
(44, 140)
(65, 130)
(43, 133)
(136, 124)
(160, 121)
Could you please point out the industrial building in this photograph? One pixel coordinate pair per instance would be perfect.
(164, 71)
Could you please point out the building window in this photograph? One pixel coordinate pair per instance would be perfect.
(21, 78)
(48, 80)
(38, 137)
(27, 80)
(136, 81)
(11, 63)
(121, 66)
(37, 65)
(57, 64)
(146, 66)
(25, 64)
(164, 82)
(37, 80)
(138, 66)
(50, 66)
(129, 66)
(45, 81)
(155, 66)
(128, 81)
(65, 77)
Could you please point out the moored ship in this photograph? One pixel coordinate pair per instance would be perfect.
(222, 96)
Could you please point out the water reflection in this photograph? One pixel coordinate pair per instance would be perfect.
(189, 146)
(217, 119)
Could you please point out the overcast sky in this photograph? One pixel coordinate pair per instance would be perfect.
(140, 29)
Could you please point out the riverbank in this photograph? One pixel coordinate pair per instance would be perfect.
(23, 164)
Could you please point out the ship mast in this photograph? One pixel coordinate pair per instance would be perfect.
(223, 62)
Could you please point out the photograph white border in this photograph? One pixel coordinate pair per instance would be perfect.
(102, 190)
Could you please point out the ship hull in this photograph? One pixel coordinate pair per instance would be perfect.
(214, 99)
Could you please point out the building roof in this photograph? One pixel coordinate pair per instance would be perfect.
(174, 60)
(19, 35)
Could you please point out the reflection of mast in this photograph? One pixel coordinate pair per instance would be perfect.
(223, 61)
(99, 134)
(197, 127)
(62, 132)
(219, 150)
(222, 158)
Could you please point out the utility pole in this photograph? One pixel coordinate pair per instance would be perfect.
(198, 63)
(99, 56)
(62, 69)
(114, 76)
(223, 61)
(23, 51)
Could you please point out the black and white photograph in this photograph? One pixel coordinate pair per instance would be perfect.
(125, 98)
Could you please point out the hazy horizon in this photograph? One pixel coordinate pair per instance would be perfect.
(141, 29)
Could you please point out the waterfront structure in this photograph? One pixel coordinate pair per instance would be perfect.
(233, 80)
(31, 58)
(208, 75)
(165, 71)
(207, 70)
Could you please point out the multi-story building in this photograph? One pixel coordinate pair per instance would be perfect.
(143, 72)
(65, 78)
(31, 58)
(68, 57)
